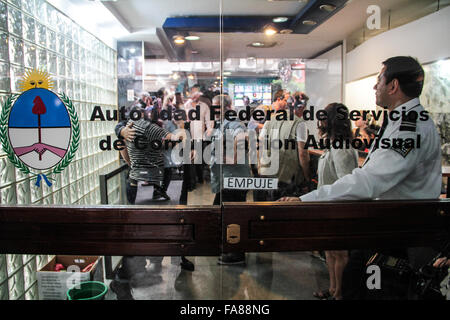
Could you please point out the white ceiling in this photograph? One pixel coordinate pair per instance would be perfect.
(143, 17)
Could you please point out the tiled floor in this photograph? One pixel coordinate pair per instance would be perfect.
(272, 276)
(201, 195)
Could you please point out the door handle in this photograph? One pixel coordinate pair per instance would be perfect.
(233, 233)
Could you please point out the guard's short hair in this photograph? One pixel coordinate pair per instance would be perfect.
(408, 72)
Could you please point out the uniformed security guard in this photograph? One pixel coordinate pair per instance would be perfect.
(407, 171)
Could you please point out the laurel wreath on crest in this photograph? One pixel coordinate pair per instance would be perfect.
(6, 145)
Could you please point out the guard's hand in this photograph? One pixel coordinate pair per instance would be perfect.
(128, 132)
(289, 199)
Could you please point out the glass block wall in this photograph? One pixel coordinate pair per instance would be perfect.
(33, 34)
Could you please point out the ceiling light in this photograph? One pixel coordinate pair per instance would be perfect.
(286, 31)
(270, 31)
(280, 19)
(175, 76)
(226, 73)
(257, 44)
(192, 38)
(262, 44)
(327, 7)
(309, 22)
(178, 40)
(191, 77)
(194, 52)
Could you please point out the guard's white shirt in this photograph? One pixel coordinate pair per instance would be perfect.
(387, 174)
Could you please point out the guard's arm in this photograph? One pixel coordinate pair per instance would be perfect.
(385, 169)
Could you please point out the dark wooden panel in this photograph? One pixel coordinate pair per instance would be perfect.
(110, 230)
(337, 225)
(99, 232)
(294, 228)
(104, 214)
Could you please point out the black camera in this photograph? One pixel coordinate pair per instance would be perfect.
(428, 278)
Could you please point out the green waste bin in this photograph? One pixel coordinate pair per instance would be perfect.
(88, 290)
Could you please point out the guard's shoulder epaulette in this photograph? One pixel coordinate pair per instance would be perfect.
(409, 121)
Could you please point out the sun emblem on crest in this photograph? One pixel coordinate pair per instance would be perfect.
(35, 79)
(39, 129)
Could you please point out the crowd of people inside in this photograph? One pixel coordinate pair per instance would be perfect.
(293, 180)
(299, 178)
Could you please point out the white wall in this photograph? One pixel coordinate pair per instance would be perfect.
(360, 95)
(426, 39)
(324, 86)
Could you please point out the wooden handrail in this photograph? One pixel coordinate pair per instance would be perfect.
(201, 230)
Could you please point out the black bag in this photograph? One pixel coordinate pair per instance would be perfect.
(155, 175)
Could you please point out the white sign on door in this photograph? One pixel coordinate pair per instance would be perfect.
(250, 183)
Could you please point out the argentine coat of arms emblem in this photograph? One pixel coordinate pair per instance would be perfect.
(39, 129)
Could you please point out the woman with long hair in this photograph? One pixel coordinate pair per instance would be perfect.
(333, 165)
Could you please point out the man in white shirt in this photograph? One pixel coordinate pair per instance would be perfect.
(407, 171)
(198, 128)
(293, 171)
